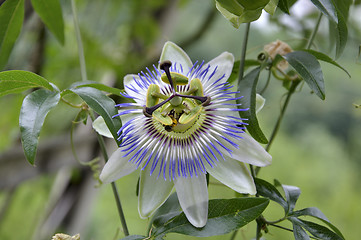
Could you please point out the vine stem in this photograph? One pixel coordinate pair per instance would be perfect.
(243, 53)
(292, 89)
(100, 138)
(114, 187)
(313, 35)
(79, 42)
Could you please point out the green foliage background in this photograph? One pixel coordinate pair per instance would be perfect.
(318, 148)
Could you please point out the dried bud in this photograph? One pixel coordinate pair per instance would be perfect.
(278, 47)
(62, 236)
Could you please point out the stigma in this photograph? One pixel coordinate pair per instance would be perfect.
(182, 109)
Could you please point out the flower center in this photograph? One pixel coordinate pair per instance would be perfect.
(177, 113)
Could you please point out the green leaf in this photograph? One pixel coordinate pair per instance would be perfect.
(231, 6)
(134, 237)
(298, 232)
(11, 19)
(316, 213)
(235, 70)
(247, 89)
(271, 7)
(309, 69)
(101, 104)
(292, 194)
(283, 5)
(341, 35)
(167, 211)
(252, 5)
(16, 81)
(267, 190)
(343, 6)
(339, 30)
(317, 230)
(98, 86)
(51, 14)
(326, 7)
(224, 216)
(237, 14)
(33, 111)
(323, 57)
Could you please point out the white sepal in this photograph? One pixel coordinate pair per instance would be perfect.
(175, 54)
(100, 127)
(153, 192)
(117, 167)
(234, 175)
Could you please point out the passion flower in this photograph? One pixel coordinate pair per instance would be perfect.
(183, 123)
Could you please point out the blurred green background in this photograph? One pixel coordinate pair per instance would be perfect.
(318, 148)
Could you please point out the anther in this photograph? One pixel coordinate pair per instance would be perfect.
(207, 101)
(165, 66)
(148, 111)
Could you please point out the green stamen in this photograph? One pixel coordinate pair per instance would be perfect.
(177, 78)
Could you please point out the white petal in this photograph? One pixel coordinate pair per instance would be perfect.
(133, 89)
(250, 151)
(260, 101)
(193, 198)
(233, 174)
(153, 192)
(174, 53)
(117, 167)
(101, 128)
(224, 64)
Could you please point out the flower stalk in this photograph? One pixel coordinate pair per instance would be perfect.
(114, 187)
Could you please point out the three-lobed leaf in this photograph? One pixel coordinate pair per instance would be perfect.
(224, 216)
(11, 21)
(309, 69)
(51, 14)
(16, 81)
(33, 111)
(247, 89)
